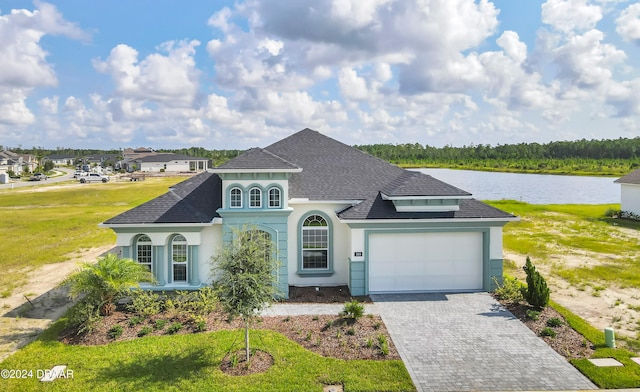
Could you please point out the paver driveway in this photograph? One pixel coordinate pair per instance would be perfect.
(468, 342)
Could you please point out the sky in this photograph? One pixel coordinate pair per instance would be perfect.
(246, 73)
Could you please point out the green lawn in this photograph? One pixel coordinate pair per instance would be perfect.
(191, 363)
(581, 230)
(41, 226)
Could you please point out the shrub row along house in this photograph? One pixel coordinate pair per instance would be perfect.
(335, 215)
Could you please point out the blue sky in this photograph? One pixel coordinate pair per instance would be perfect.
(166, 74)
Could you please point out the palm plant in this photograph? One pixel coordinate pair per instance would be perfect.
(106, 280)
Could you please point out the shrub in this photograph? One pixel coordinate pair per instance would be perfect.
(144, 303)
(84, 317)
(159, 324)
(200, 324)
(533, 314)
(510, 289)
(174, 328)
(352, 310)
(548, 332)
(144, 331)
(554, 322)
(116, 331)
(536, 293)
(383, 345)
(135, 320)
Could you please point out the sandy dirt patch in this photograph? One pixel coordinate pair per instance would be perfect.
(602, 307)
(34, 306)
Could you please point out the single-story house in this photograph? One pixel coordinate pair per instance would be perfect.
(630, 192)
(171, 163)
(60, 159)
(336, 216)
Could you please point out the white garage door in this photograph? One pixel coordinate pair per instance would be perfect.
(425, 262)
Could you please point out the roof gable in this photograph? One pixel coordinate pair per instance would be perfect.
(631, 178)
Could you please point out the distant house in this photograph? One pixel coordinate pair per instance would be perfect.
(171, 163)
(10, 161)
(630, 192)
(335, 215)
(61, 159)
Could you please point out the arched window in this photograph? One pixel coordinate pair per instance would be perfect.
(274, 198)
(255, 198)
(235, 198)
(179, 258)
(144, 251)
(315, 243)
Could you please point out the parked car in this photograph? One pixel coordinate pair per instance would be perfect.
(38, 177)
(93, 177)
(79, 174)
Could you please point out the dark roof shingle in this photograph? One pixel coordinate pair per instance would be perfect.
(192, 201)
(631, 178)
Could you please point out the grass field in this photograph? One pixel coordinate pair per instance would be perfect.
(609, 247)
(49, 224)
(191, 363)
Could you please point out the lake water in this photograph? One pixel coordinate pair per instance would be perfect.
(531, 188)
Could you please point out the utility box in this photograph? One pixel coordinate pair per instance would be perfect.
(610, 337)
(4, 178)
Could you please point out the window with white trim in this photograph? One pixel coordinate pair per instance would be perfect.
(179, 258)
(315, 243)
(144, 251)
(235, 198)
(255, 198)
(274, 198)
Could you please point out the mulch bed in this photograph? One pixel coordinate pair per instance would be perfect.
(567, 341)
(327, 335)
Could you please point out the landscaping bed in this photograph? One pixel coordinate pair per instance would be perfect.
(566, 342)
(328, 335)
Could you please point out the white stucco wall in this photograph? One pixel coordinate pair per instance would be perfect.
(340, 250)
(211, 243)
(495, 247)
(630, 198)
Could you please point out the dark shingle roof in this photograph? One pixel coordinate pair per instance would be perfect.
(258, 158)
(330, 171)
(631, 178)
(413, 183)
(192, 201)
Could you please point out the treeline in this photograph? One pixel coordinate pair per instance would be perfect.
(591, 157)
(586, 149)
(615, 157)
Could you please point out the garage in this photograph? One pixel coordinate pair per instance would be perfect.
(450, 261)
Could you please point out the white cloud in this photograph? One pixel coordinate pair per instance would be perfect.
(171, 79)
(584, 60)
(628, 23)
(570, 15)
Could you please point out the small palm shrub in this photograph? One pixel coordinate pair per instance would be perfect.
(106, 281)
(352, 310)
